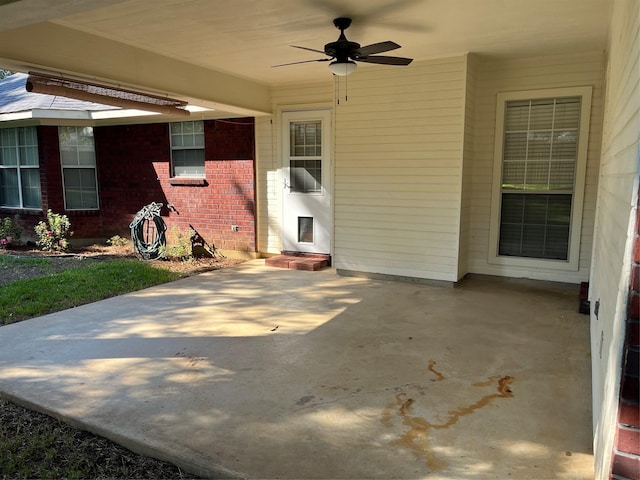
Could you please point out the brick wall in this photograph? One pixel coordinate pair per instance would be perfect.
(134, 170)
(133, 164)
(626, 454)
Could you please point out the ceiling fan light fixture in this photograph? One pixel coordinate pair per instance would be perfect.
(343, 69)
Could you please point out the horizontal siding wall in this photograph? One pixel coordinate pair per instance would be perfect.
(496, 76)
(269, 207)
(614, 223)
(398, 167)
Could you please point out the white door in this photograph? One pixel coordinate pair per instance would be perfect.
(306, 181)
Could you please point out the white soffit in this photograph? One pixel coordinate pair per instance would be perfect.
(246, 37)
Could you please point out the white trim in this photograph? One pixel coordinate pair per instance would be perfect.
(572, 264)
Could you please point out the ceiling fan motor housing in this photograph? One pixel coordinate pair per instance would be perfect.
(341, 50)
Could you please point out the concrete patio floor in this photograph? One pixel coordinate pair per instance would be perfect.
(268, 373)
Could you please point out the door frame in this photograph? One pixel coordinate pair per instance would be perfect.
(285, 115)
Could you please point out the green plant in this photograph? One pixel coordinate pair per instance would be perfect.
(10, 232)
(180, 247)
(52, 234)
(118, 241)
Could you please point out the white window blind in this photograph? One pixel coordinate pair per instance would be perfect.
(538, 176)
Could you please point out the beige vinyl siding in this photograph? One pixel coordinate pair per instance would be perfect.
(615, 219)
(467, 164)
(267, 187)
(533, 73)
(398, 167)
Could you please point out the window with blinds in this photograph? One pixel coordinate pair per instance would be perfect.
(539, 161)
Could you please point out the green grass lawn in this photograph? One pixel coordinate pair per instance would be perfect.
(33, 297)
(33, 445)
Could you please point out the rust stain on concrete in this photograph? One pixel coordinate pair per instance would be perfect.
(439, 376)
(416, 437)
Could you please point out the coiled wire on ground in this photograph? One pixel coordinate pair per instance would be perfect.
(149, 243)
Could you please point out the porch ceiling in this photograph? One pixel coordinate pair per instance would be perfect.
(187, 46)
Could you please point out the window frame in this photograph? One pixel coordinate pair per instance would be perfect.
(94, 167)
(174, 148)
(18, 167)
(575, 225)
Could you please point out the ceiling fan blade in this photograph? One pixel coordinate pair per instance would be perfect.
(382, 60)
(376, 48)
(306, 48)
(303, 61)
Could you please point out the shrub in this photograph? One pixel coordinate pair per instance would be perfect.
(10, 232)
(52, 234)
(180, 247)
(118, 241)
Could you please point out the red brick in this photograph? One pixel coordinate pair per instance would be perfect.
(629, 414)
(278, 261)
(633, 310)
(629, 390)
(628, 440)
(633, 332)
(635, 276)
(626, 466)
(310, 264)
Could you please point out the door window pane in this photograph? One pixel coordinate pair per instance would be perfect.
(306, 139)
(305, 176)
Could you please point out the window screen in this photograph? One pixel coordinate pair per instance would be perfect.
(538, 176)
(79, 173)
(187, 149)
(19, 168)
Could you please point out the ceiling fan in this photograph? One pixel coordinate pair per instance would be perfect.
(343, 54)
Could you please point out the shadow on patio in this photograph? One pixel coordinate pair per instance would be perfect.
(279, 373)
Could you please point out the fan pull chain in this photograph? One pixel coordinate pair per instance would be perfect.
(346, 89)
(337, 89)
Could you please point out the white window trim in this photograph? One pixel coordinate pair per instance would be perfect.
(572, 263)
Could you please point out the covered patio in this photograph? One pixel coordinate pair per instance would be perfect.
(270, 373)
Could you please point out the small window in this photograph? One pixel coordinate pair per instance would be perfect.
(539, 181)
(79, 175)
(187, 149)
(305, 163)
(19, 168)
